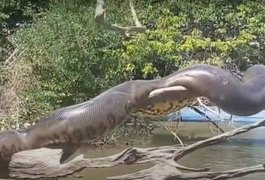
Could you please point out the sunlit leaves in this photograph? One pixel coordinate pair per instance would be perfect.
(74, 59)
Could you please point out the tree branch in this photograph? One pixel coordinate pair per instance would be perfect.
(208, 119)
(168, 172)
(125, 31)
(216, 139)
(41, 163)
(135, 18)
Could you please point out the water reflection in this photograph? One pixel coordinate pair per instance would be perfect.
(228, 156)
(232, 154)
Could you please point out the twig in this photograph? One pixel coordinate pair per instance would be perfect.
(12, 62)
(135, 18)
(11, 56)
(175, 136)
(208, 119)
(209, 109)
(9, 61)
(125, 31)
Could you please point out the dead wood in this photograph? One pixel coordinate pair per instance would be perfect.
(123, 30)
(44, 162)
(162, 171)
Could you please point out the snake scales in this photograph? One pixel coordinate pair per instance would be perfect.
(103, 113)
(87, 120)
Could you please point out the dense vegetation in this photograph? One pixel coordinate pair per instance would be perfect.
(63, 57)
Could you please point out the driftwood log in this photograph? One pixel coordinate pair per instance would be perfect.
(45, 163)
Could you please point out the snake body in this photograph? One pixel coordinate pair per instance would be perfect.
(88, 120)
(103, 113)
(164, 105)
(243, 98)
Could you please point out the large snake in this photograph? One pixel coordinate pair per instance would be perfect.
(103, 113)
(243, 98)
(91, 119)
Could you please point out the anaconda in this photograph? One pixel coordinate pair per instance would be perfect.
(88, 120)
(103, 113)
(243, 98)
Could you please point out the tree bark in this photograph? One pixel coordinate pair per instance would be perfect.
(45, 163)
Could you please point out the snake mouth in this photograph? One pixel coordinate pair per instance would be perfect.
(167, 89)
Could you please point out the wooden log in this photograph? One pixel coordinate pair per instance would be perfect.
(168, 172)
(45, 162)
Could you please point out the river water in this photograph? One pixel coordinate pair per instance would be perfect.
(235, 153)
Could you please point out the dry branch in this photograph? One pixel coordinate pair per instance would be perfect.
(216, 139)
(209, 109)
(162, 171)
(46, 162)
(208, 119)
(126, 31)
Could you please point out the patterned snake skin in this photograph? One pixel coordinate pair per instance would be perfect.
(243, 98)
(87, 120)
(103, 113)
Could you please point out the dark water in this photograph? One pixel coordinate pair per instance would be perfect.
(233, 154)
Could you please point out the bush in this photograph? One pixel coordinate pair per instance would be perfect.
(66, 52)
(185, 33)
(72, 59)
(15, 14)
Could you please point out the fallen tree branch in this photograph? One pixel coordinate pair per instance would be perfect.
(216, 139)
(162, 171)
(125, 31)
(45, 162)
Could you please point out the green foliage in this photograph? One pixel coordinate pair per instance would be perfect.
(19, 11)
(15, 14)
(66, 51)
(184, 33)
(73, 59)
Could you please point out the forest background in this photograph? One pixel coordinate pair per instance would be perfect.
(53, 53)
